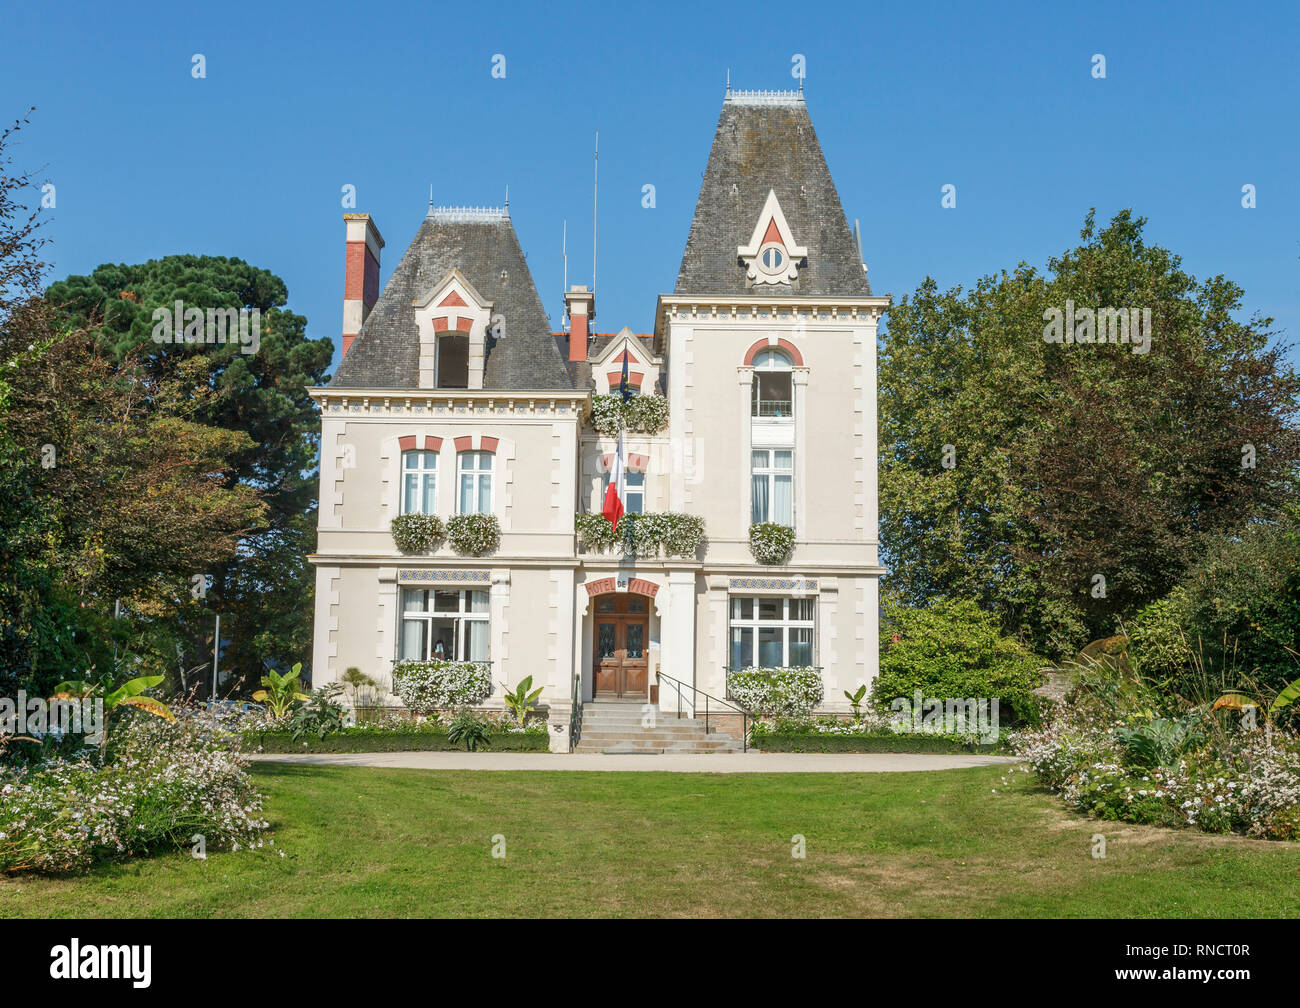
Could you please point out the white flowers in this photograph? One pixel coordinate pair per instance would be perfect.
(426, 686)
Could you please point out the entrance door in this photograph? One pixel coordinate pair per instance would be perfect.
(622, 624)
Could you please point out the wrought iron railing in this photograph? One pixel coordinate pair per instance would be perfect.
(575, 713)
(775, 408)
(695, 706)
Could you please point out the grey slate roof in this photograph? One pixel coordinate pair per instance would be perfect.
(763, 144)
(385, 353)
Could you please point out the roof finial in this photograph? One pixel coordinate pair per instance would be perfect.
(430, 199)
(507, 208)
(728, 82)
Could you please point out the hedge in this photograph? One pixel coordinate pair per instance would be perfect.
(814, 742)
(381, 741)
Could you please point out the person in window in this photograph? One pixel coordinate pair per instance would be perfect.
(437, 650)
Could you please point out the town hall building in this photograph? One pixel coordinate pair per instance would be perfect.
(455, 397)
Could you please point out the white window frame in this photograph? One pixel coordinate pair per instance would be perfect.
(463, 614)
(478, 473)
(769, 472)
(427, 477)
(631, 494)
(785, 622)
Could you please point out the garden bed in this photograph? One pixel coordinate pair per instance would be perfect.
(354, 740)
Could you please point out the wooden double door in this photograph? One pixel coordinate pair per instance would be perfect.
(621, 634)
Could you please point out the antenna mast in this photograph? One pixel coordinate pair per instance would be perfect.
(564, 254)
(595, 180)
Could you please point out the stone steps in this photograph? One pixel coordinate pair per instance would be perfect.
(617, 728)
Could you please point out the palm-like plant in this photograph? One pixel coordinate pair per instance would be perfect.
(465, 729)
(128, 694)
(281, 692)
(855, 700)
(521, 701)
(1235, 700)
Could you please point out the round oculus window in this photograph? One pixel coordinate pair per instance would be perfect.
(771, 259)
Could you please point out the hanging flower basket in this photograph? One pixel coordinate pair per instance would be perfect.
(770, 543)
(417, 533)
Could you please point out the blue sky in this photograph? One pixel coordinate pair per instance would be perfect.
(998, 100)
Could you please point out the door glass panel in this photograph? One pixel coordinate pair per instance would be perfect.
(605, 605)
(635, 640)
(635, 605)
(605, 640)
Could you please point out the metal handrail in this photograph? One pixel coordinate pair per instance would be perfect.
(575, 713)
(744, 714)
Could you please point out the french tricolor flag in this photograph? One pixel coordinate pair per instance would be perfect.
(613, 509)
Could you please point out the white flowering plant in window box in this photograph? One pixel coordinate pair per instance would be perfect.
(776, 692)
(474, 534)
(439, 683)
(771, 543)
(417, 533)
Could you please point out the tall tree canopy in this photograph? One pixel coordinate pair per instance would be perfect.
(1063, 485)
(264, 592)
(110, 490)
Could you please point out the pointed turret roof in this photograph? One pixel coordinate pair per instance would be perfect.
(482, 245)
(765, 144)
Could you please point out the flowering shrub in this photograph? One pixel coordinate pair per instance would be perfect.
(162, 783)
(1201, 770)
(644, 414)
(789, 692)
(427, 686)
(771, 543)
(647, 535)
(417, 533)
(474, 534)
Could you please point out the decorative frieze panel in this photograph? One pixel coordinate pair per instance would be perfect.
(452, 575)
(794, 584)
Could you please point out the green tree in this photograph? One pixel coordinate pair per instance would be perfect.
(264, 592)
(1062, 486)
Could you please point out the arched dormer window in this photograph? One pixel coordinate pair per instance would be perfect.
(773, 394)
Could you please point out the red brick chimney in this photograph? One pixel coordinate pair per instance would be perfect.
(580, 304)
(361, 274)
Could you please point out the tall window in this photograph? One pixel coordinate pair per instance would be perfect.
(772, 632)
(772, 477)
(444, 623)
(633, 491)
(475, 482)
(419, 482)
(773, 384)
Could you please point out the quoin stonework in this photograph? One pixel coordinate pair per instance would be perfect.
(455, 396)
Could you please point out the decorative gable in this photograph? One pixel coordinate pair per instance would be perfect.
(772, 255)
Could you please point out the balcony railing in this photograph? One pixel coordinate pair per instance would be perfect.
(781, 409)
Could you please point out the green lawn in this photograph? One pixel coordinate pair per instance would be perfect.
(363, 842)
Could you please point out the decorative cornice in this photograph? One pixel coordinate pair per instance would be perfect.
(450, 404)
